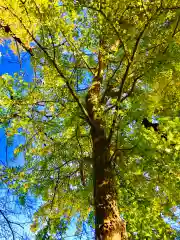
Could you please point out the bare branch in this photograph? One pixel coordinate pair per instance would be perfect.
(8, 223)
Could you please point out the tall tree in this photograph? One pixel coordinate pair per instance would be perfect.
(103, 72)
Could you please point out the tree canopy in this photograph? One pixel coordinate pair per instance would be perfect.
(102, 69)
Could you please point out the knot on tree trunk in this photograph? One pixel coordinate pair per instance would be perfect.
(114, 229)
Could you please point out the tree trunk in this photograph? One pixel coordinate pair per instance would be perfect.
(108, 224)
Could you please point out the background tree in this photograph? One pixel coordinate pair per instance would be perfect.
(100, 69)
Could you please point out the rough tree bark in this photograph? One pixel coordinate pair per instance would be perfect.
(108, 224)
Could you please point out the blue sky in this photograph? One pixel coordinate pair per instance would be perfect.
(9, 63)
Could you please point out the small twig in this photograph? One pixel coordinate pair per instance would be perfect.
(53, 45)
(120, 149)
(132, 89)
(19, 56)
(55, 189)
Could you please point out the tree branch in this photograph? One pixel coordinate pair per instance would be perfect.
(132, 89)
(9, 31)
(55, 189)
(170, 8)
(108, 84)
(57, 68)
(124, 79)
(8, 223)
(111, 25)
